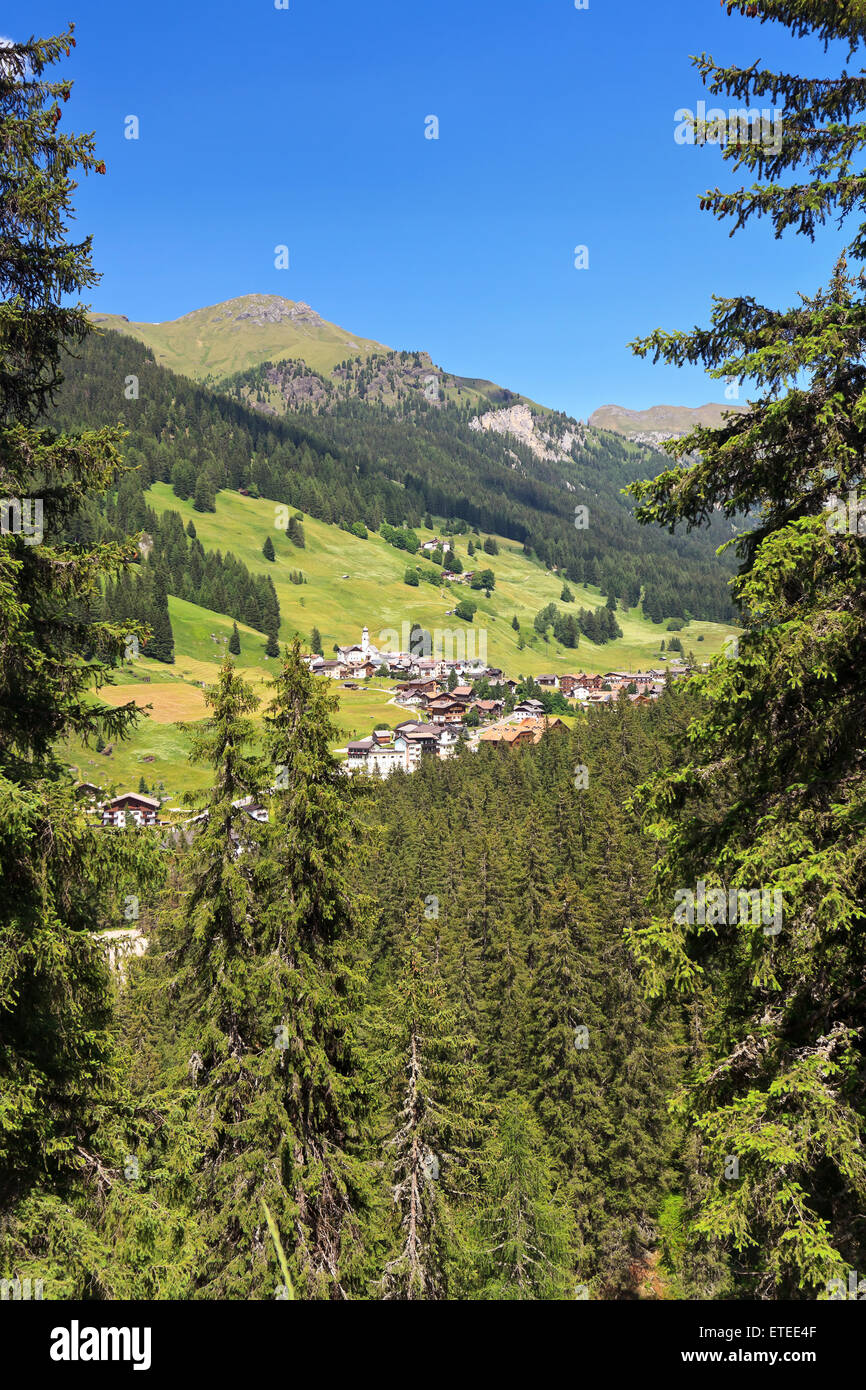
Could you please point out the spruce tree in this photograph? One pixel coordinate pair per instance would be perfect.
(771, 794)
(437, 1124)
(318, 923)
(235, 641)
(522, 1235)
(268, 549)
(58, 1067)
(228, 987)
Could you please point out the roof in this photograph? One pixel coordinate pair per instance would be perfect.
(153, 802)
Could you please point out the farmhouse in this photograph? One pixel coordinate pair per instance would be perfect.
(530, 707)
(130, 808)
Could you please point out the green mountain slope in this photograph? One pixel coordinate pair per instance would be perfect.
(215, 342)
(366, 464)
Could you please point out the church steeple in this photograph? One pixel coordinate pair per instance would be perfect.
(365, 640)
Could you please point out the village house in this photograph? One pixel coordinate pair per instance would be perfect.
(444, 709)
(403, 750)
(532, 707)
(417, 692)
(529, 730)
(488, 708)
(334, 670)
(130, 808)
(462, 693)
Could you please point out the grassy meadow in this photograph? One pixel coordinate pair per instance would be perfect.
(350, 582)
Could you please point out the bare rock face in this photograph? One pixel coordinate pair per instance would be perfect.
(298, 385)
(519, 421)
(272, 308)
(303, 313)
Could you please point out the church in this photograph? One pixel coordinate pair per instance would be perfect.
(358, 655)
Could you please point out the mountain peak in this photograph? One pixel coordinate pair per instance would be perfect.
(260, 308)
(218, 340)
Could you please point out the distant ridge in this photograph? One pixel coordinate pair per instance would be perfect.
(660, 422)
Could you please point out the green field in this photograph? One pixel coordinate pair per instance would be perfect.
(373, 594)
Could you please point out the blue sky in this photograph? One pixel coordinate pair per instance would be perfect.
(306, 127)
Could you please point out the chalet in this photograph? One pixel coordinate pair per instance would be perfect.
(529, 730)
(334, 670)
(88, 791)
(512, 736)
(533, 707)
(357, 753)
(539, 726)
(550, 682)
(461, 692)
(488, 708)
(445, 710)
(429, 546)
(131, 808)
(417, 692)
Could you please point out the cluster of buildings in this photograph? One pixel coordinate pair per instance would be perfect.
(386, 751)
(599, 690)
(430, 547)
(362, 659)
(443, 706)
